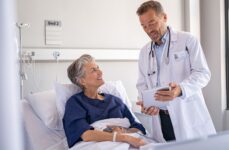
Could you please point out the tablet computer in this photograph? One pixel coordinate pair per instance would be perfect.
(149, 100)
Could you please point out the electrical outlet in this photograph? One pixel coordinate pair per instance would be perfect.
(56, 55)
(28, 55)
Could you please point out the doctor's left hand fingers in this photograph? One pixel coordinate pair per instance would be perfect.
(139, 103)
(143, 109)
(152, 110)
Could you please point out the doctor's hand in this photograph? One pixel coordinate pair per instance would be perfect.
(150, 110)
(168, 95)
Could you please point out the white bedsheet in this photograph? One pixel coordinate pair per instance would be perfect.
(108, 145)
(102, 124)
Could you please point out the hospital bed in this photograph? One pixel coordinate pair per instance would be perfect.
(42, 132)
(40, 116)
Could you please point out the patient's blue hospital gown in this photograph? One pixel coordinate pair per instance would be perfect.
(81, 111)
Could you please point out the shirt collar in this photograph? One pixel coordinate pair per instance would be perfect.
(163, 39)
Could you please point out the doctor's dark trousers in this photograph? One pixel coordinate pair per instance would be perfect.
(166, 126)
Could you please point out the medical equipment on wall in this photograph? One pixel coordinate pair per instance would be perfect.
(27, 62)
(152, 54)
(56, 56)
(33, 68)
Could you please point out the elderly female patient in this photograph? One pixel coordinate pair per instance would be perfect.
(89, 106)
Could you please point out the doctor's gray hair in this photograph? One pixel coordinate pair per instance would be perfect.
(76, 70)
(151, 4)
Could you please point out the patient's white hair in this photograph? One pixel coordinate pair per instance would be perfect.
(76, 69)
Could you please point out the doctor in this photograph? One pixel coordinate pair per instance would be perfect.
(176, 59)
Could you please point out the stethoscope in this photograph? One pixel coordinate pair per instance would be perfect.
(151, 54)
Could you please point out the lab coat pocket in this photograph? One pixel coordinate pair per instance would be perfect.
(192, 115)
(179, 56)
(181, 65)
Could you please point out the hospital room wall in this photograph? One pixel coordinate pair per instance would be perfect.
(87, 24)
(91, 24)
(42, 78)
(213, 42)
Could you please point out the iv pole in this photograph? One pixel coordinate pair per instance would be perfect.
(22, 74)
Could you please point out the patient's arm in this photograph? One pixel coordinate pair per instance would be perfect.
(99, 136)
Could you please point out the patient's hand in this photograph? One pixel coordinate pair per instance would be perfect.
(118, 129)
(135, 142)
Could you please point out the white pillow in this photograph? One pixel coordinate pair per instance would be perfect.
(116, 88)
(65, 91)
(44, 105)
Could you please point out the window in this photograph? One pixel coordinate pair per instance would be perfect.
(227, 49)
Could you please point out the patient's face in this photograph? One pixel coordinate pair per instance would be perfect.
(93, 76)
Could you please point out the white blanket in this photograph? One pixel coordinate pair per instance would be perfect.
(107, 145)
(102, 124)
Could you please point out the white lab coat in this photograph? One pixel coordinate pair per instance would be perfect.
(189, 114)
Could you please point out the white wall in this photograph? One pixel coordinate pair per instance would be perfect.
(89, 24)
(213, 42)
(42, 78)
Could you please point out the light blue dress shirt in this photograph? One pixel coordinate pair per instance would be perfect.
(158, 51)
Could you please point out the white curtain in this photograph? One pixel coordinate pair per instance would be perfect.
(10, 123)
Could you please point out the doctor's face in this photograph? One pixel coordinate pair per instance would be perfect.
(93, 76)
(154, 24)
